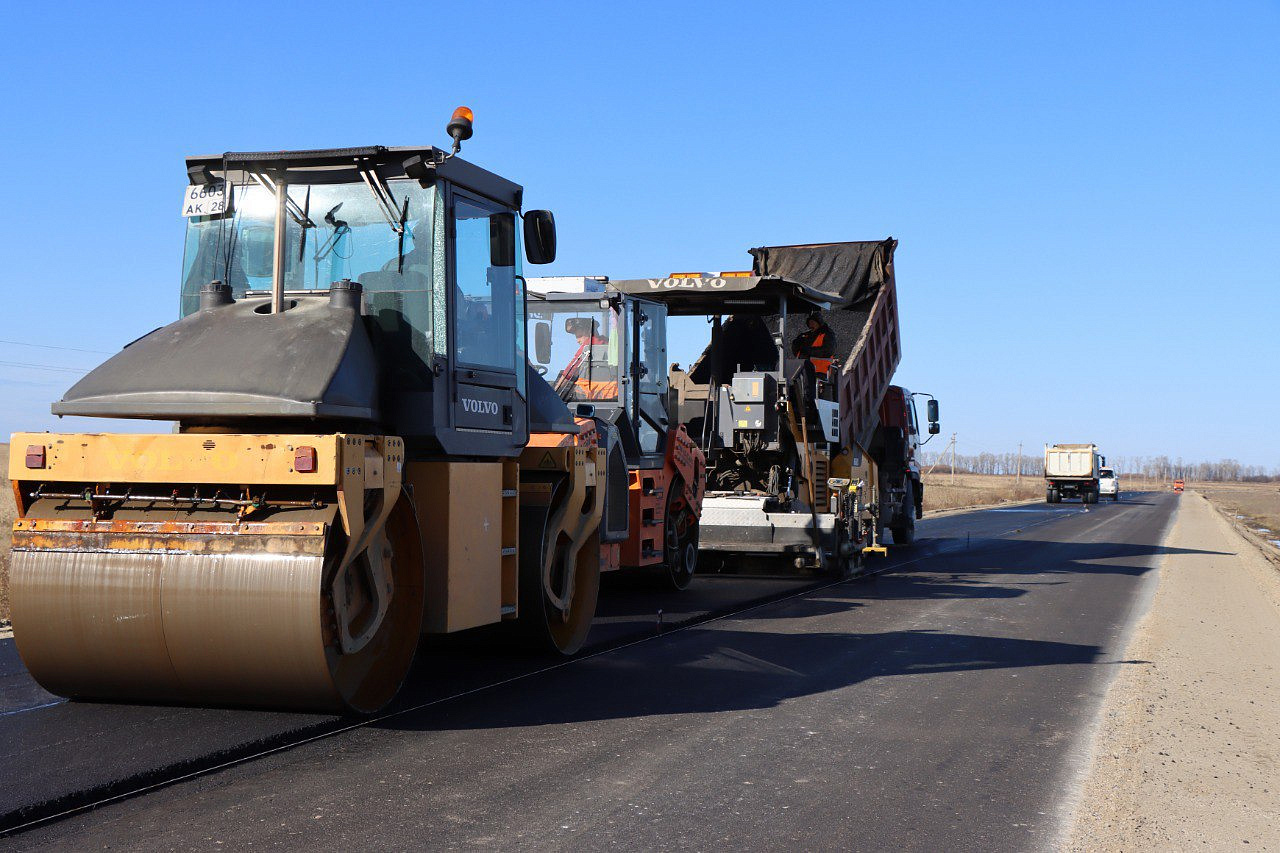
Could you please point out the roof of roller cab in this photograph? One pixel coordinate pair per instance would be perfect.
(706, 295)
(338, 166)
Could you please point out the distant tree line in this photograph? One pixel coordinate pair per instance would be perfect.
(1147, 467)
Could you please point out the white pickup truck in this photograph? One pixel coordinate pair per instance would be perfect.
(1109, 484)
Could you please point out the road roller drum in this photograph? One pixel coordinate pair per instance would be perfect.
(319, 607)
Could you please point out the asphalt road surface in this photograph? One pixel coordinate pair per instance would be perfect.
(942, 704)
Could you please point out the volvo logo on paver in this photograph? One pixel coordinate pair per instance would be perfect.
(479, 407)
(690, 283)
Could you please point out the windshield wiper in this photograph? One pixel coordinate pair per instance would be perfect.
(340, 229)
(296, 213)
(387, 204)
(404, 217)
(306, 223)
(382, 193)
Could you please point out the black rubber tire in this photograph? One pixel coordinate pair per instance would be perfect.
(905, 533)
(843, 568)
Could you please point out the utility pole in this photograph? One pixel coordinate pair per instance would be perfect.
(1018, 479)
(953, 457)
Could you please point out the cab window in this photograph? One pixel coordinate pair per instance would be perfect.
(485, 296)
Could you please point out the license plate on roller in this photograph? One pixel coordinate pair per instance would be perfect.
(205, 200)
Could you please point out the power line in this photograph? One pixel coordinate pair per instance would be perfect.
(78, 370)
(51, 346)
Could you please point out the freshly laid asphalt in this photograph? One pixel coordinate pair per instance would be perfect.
(942, 704)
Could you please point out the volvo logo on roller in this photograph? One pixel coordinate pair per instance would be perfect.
(479, 407)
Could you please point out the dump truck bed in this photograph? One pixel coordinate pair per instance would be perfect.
(1071, 461)
(859, 274)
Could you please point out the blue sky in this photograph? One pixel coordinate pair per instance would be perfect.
(1086, 195)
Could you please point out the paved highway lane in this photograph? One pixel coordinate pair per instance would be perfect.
(939, 703)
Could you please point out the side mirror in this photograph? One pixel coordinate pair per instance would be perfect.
(540, 236)
(542, 343)
(934, 429)
(933, 410)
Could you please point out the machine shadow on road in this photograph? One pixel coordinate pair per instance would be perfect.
(989, 569)
(984, 556)
(720, 668)
(707, 670)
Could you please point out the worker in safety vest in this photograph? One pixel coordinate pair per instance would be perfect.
(817, 343)
(588, 387)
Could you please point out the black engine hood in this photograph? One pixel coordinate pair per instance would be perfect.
(314, 360)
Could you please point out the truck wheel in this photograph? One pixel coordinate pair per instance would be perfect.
(905, 533)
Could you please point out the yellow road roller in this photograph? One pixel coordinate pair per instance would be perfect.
(361, 453)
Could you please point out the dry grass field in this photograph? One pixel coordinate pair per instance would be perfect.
(7, 511)
(1256, 506)
(942, 491)
(966, 490)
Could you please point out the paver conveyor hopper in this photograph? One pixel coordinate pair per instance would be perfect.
(361, 452)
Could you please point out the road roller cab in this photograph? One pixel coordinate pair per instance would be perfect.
(605, 353)
(361, 451)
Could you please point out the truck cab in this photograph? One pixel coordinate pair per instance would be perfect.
(896, 444)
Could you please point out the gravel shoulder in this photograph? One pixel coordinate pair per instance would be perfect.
(1187, 751)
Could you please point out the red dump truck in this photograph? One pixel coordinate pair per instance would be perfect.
(811, 455)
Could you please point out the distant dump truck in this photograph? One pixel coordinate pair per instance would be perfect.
(1178, 485)
(1071, 471)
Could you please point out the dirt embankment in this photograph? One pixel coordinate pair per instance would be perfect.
(1187, 755)
(1251, 507)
